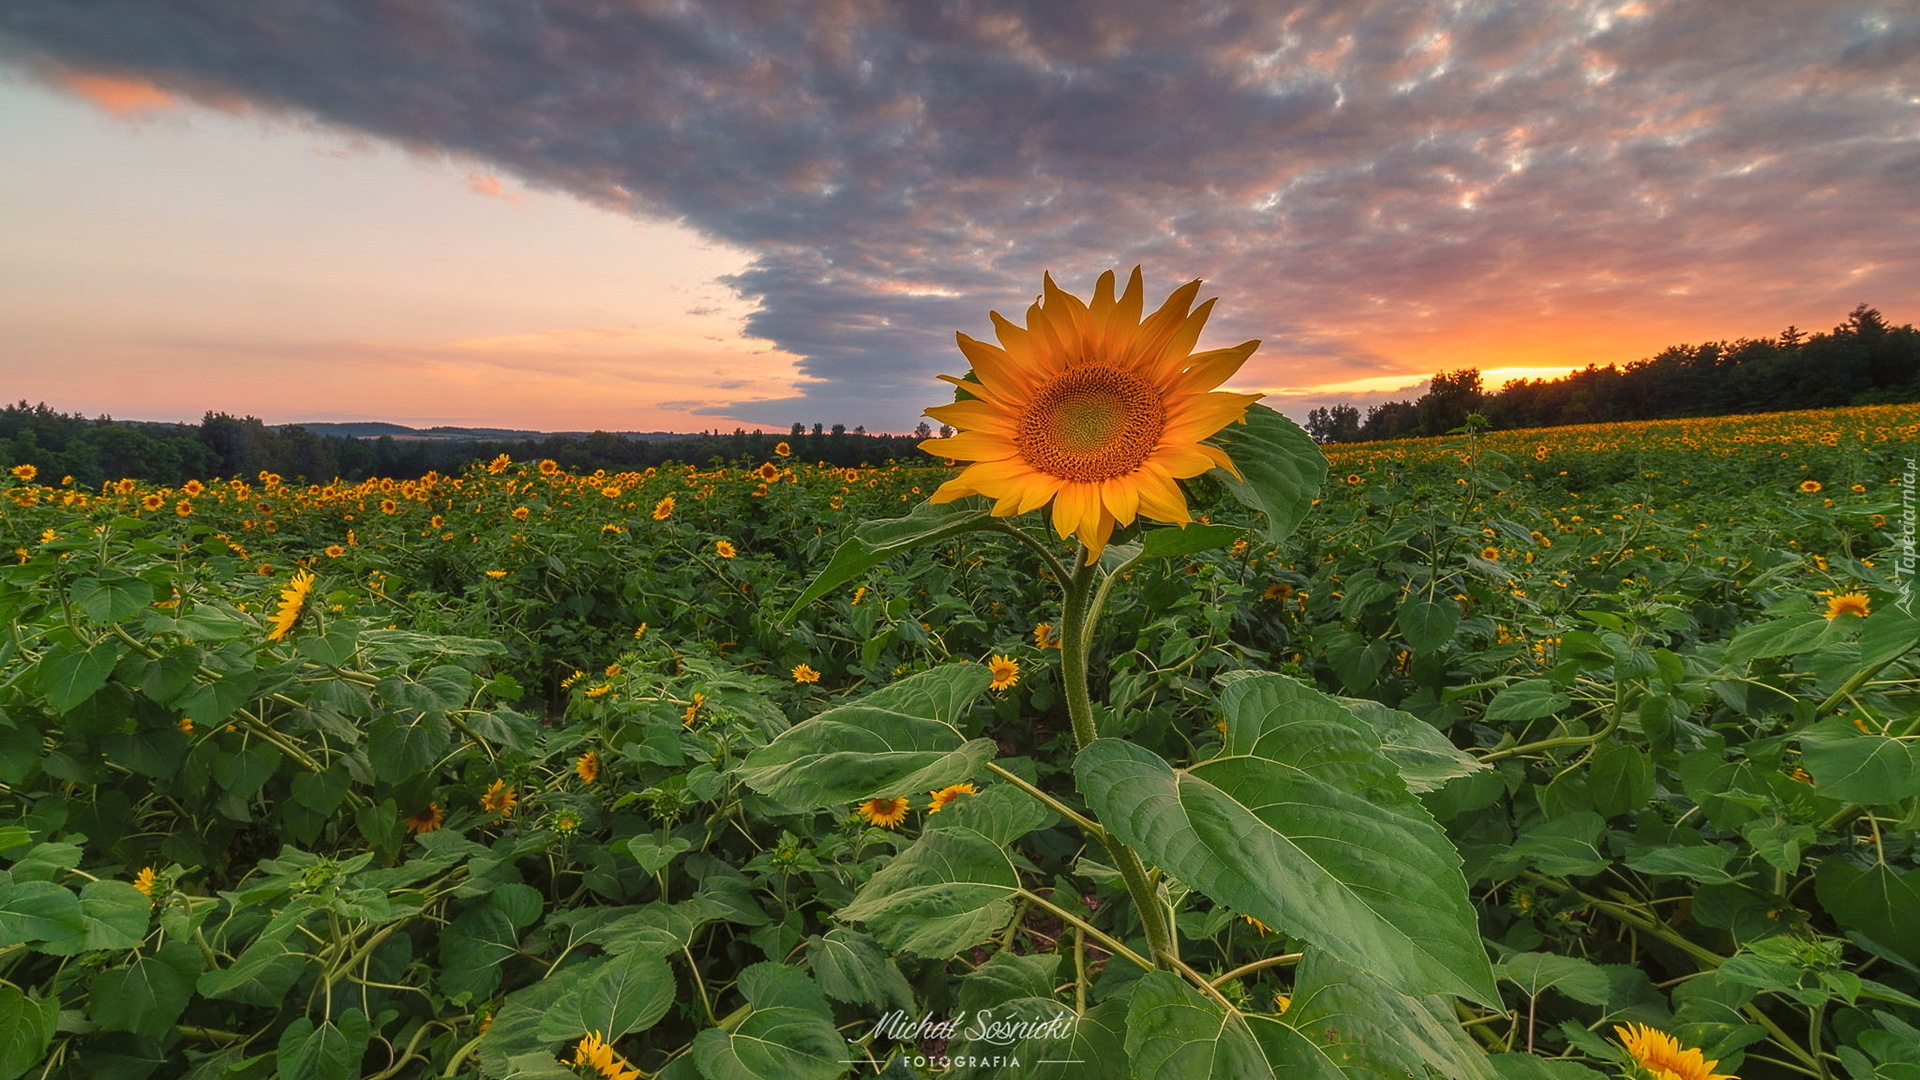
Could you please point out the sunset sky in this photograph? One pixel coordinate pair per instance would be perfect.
(637, 215)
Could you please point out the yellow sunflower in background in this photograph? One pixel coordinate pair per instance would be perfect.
(1662, 1055)
(886, 813)
(1091, 408)
(293, 599)
(1852, 603)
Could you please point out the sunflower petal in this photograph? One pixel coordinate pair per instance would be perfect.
(1125, 319)
(974, 415)
(1161, 325)
(1160, 497)
(1121, 498)
(1182, 461)
(995, 368)
(1176, 352)
(1207, 370)
(1200, 416)
(1095, 536)
(972, 446)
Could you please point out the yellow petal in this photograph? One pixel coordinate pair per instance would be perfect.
(1197, 417)
(1095, 536)
(972, 446)
(1069, 313)
(1066, 510)
(974, 416)
(1208, 370)
(1121, 498)
(995, 368)
(1160, 497)
(1126, 313)
(1160, 326)
(1100, 314)
(1177, 350)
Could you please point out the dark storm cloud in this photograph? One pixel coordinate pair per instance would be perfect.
(1342, 171)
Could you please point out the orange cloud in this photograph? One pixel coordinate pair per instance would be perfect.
(489, 185)
(122, 96)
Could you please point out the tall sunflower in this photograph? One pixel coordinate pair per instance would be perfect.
(1091, 408)
(292, 599)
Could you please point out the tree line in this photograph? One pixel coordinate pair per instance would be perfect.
(1862, 361)
(95, 450)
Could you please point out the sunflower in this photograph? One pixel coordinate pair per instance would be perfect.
(587, 767)
(1661, 1055)
(1852, 603)
(144, 880)
(334, 551)
(152, 502)
(610, 491)
(769, 472)
(548, 466)
(663, 509)
(292, 599)
(724, 549)
(804, 674)
(1810, 486)
(597, 1054)
(1044, 636)
(946, 795)
(28, 472)
(425, 821)
(886, 813)
(1006, 671)
(1091, 409)
(1490, 553)
(499, 799)
(184, 508)
(782, 450)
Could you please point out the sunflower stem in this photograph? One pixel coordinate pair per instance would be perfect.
(1075, 644)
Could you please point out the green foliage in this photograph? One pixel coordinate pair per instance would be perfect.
(1447, 781)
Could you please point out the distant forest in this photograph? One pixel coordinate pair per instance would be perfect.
(1863, 361)
(94, 450)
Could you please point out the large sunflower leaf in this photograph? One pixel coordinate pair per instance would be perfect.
(1376, 885)
(1175, 1033)
(787, 1035)
(896, 741)
(1371, 1030)
(877, 541)
(1281, 466)
(950, 890)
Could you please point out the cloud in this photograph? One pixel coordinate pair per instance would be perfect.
(123, 97)
(489, 185)
(1372, 187)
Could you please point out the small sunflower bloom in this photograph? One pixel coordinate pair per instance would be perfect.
(663, 509)
(1045, 637)
(769, 472)
(1810, 486)
(724, 549)
(587, 767)
(948, 794)
(426, 821)
(152, 502)
(144, 880)
(692, 711)
(499, 799)
(1852, 603)
(1490, 553)
(610, 491)
(595, 1053)
(520, 513)
(496, 573)
(886, 813)
(293, 599)
(1006, 672)
(183, 508)
(334, 551)
(805, 674)
(780, 449)
(640, 632)
(1662, 1055)
(28, 472)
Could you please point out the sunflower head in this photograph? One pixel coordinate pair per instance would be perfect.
(1852, 603)
(1091, 408)
(886, 813)
(1661, 1055)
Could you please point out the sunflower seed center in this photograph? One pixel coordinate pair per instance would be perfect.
(1092, 422)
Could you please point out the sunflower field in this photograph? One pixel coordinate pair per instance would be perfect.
(1584, 752)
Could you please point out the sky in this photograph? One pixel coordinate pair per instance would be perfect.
(672, 215)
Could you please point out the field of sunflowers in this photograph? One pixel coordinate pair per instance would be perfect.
(1535, 755)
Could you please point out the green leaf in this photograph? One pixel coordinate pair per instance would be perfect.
(69, 676)
(949, 891)
(147, 996)
(1519, 1066)
(1058, 1046)
(788, 1035)
(652, 853)
(1282, 467)
(244, 772)
(1001, 813)
(1778, 637)
(19, 753)
(327, 1052)
(480, 939)
(853, 968)
(942, 693)
(1168, 543)
(37, 910)
(1887, 633)
(1528, 699)
(113, 915)
(1847, 763)
(212, 703)
(1427, 623)
(627, 993)
(1173, 1033)
(1705, 863)
(26, 1030)
(1620, 779)
(857, 752)
(1379, 887)
(111, 599)
(1425, 758)
(877, 541)
(1880, 902)
(1567, 846)
(402, 750)
(1372, 1030)
(1536, 973)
